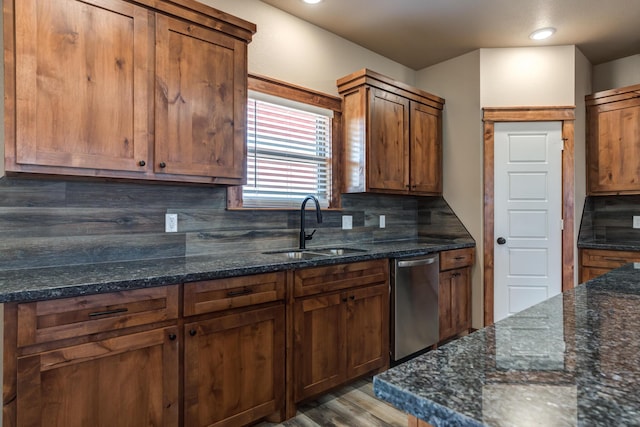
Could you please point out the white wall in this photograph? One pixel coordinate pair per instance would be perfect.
(533, 76)
(290, 49)
(458, 81)
(583, 70)
(619, 73)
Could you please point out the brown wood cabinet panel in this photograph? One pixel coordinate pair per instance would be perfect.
(456, 258)
(388, 154)
(343, 332)
(130, 380)
(454, 299)
(596, 262)
(392, 136)
(81, 98)
(310, 281)
(367, 329)
(200, 107)
(52, 320)
(613, 141)
(454, 302)
(222, 294)
(234, 368)
(425, 149)
(319, 344)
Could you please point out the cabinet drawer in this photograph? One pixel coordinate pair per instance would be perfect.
(457, 258)
(52, 320)
(607, 259)
(311, 281)
(222, 294)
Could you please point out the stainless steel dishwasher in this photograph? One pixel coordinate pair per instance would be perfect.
(414, 305)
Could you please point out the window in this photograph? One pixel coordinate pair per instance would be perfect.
(288, 154)
(290, 136)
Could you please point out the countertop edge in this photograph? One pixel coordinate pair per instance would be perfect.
(87, 279)
(423, 409)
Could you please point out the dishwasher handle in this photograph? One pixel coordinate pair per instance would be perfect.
(413, 263)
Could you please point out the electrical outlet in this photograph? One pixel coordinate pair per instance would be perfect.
(347, 222)
(170, 223)
(383, 221)
(636, 221)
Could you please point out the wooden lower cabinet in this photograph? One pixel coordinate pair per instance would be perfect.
(339, 336)
(211, 353)
(234, 367)
(454, 299)
(129, 380)
(596, 262)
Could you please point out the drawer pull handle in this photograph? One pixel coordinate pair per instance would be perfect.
(616, 259)
(193, 332)
(107, 312)
(173, 337)
(459, 258)
(245, 291)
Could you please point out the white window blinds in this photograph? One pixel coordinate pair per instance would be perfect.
(288, 154)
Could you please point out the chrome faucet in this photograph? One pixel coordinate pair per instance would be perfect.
(303, 235)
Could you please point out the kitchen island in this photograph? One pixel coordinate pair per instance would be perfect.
(572, 360)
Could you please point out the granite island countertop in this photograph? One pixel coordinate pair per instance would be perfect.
(34, 284)
(573, 360)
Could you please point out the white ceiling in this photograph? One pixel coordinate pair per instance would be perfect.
(420, 33)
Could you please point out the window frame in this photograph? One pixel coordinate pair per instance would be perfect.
(292, 92)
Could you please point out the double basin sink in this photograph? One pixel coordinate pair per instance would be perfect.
(314, 253)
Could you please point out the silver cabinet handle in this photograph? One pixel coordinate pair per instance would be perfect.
(413, 263)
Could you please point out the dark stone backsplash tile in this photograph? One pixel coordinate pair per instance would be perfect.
(56, 222)
(608, 220)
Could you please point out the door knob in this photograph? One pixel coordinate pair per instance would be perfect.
(501, 240)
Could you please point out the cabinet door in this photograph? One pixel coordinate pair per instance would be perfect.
(425, 149)
(388, 154)
(614, 148)
(461, 299)
(81, 92)
(234, 368)
(454, 302)
(201, 101)
(367, 329)
(319, 341)
(445, 318)
(131, 380)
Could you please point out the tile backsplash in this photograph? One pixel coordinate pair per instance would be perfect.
(609, 219)
(58, 222)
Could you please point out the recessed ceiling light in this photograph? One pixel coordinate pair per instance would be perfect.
(312, 1)
(543, 33)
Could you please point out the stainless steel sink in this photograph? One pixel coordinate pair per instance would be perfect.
(313, 253)
(338, 251)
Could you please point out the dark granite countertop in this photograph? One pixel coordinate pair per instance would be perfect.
(74, 280)
(573, 360)
(617, 245)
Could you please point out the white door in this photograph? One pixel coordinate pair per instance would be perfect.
(527, 214)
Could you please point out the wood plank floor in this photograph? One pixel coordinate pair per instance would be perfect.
(354, 405)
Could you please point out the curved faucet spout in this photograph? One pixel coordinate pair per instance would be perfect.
(303, 236)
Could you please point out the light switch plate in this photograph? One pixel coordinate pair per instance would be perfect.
(636, 221)
(347, 222)
(171, 223)
(383, 221)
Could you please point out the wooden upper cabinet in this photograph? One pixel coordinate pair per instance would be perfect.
(389, 133)
(392, 136)
(613, 141)
(426, 149)
(201, 101)
(126, 89)
(81, 98)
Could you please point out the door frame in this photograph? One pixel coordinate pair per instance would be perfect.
(490, 115)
